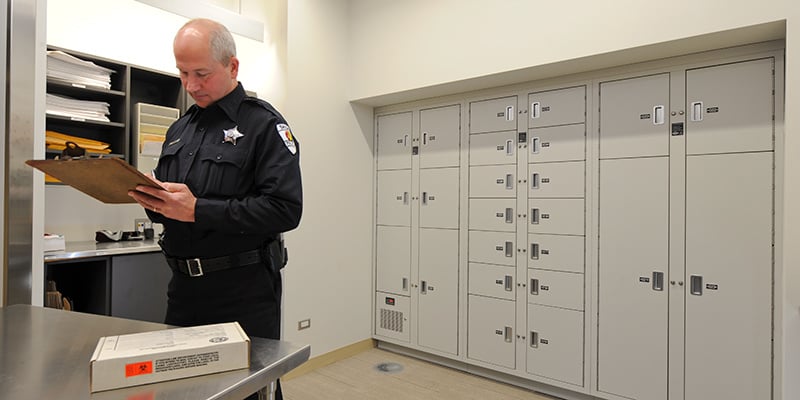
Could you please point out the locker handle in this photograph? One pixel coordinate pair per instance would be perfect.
(423, 287)
(509, 249)
(658, 281)
(424, 198)
(535, 181)
(405, 140)
(535, 216)
(405, 284)
(405, 197)
(535, 286)
(535, 145)
(509, 147)
(510, 113)
(509, 215)
(424, 138)
(658, 115)
(536, 109)
(508, 334)
(509, 283)
(534, 339)
(534, 251)
(696, 285)
(697, 111)
(509, 181)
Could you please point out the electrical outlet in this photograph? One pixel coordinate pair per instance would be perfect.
(140, 224)
(304, 324)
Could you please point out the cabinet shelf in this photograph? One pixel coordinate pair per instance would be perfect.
(72, 89)
(80, 121)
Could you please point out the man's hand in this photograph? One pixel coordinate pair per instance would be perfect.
(176, 202)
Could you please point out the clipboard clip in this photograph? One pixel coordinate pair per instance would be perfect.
(72, 151)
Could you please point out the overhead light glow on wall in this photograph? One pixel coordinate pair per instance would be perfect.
(235, 22)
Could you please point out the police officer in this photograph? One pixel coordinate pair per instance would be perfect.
(231, 174)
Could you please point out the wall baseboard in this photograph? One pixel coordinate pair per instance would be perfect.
(330, 358)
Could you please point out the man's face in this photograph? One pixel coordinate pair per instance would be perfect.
(204, 78)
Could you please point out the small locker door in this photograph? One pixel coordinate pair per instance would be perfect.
(492, 214)
(394, 141)
(438, 290)
(555, 344)
(440, 135)
(392, 316)
(493, 115)
(493, 181)
(394, 197)
(393, 249)
(557, 107)
(729, 272)
(438, 198)
(492, 281)
(557, 143)
(730, 108)
(557, 180)
(492, 247)
(633, 115)
(633, 245)
(555, 288)
(561, 216)
(556, 252)
(490, 331)
(493, 148)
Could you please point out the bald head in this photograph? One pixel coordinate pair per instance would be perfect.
(219, 40)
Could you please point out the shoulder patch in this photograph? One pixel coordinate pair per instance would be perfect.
(286, 137)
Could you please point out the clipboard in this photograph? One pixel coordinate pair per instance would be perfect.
(105, 179)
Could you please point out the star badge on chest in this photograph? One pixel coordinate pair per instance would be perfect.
(230, 135)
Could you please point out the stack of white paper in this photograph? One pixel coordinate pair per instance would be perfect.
(72, 70)
(77, 109)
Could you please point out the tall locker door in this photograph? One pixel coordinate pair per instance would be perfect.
(491, 332)
(394, 197)
(393, 249)
(557, 107)
(729, 276)
(440, 135)
(438, 198)
(555, 344)
(438, 290)
(632, 117)
(730, 108)
(493, 115)
(394, 141)
(633, 245)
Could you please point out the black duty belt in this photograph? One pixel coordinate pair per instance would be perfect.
(195, 267)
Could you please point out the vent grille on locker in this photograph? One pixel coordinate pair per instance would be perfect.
(392, 320)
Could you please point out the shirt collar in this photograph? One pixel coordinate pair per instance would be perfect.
(228, 104)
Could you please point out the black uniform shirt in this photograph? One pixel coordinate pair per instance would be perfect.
(248, 189)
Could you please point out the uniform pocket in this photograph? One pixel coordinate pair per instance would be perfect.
(224, 170)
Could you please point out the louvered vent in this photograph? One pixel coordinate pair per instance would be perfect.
(391, 320)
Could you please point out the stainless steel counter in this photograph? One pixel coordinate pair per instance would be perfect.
(45, 355)
(93, 249)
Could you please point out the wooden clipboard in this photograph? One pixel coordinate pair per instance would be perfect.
(105, 179)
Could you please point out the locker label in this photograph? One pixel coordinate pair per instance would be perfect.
(501, 114)
(712, 286)
(545, 108)
(432, 137)
(545, 216)
(390, 301)
(544, 341)
(544, 287)
(500, 215)
(501, 148)
(677, 129)
(644, 116)
(499, 332)
(523, 138)
(545, 144)
(712, 109)
(399, 198)
(399, 141)
(499, 248)
(499, 281)
(501, 181)
(545, 251)
(644, 279)
(545, 180)
(430, 288)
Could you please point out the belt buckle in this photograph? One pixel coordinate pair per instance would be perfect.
(194, 267)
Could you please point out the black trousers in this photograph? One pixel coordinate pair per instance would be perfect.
(250, 295)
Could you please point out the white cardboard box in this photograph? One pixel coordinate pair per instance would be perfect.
(140, 358)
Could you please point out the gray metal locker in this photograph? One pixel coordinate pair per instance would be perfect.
(493, 148)
(492, 247)
(438, 290)
(556, 252)
(394, 141)
(730, 108)
(493, 115)
(634, 115)
(555, 344)
(633, 261)
(556, 289)
(489, 280)
(561, 216)
(557, 143)
(729, 272)
(557, 107)
(440, 136)
(393, 248)
(557, 180)
(394, 197)
(493, 181)
(493, 215)
(392, 316)
(490, 331)
(438, 198)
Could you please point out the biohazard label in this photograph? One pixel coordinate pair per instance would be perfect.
(140, 368)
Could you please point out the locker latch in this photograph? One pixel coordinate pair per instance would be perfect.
(523, 137)
(415, 150)
(677, 129)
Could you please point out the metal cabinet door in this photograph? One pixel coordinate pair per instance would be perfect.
(392, 316)
(493, 214)
(493, 181)
(438, 290)
(493, 148)
(394, 197)
(559, 216)
(438, 198)
(393, 247)
(557, 252)
(557, 107)
(555, 288)
(633, 117)
(633, 244)
(557, 143)
(139, 286)
(555, 344)
(440, 136)
(492, 247)
(557, 180)
(394, 141)
(493, 115)
(492, 281)
(730, 107)
(729, 273)
(490, 331)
